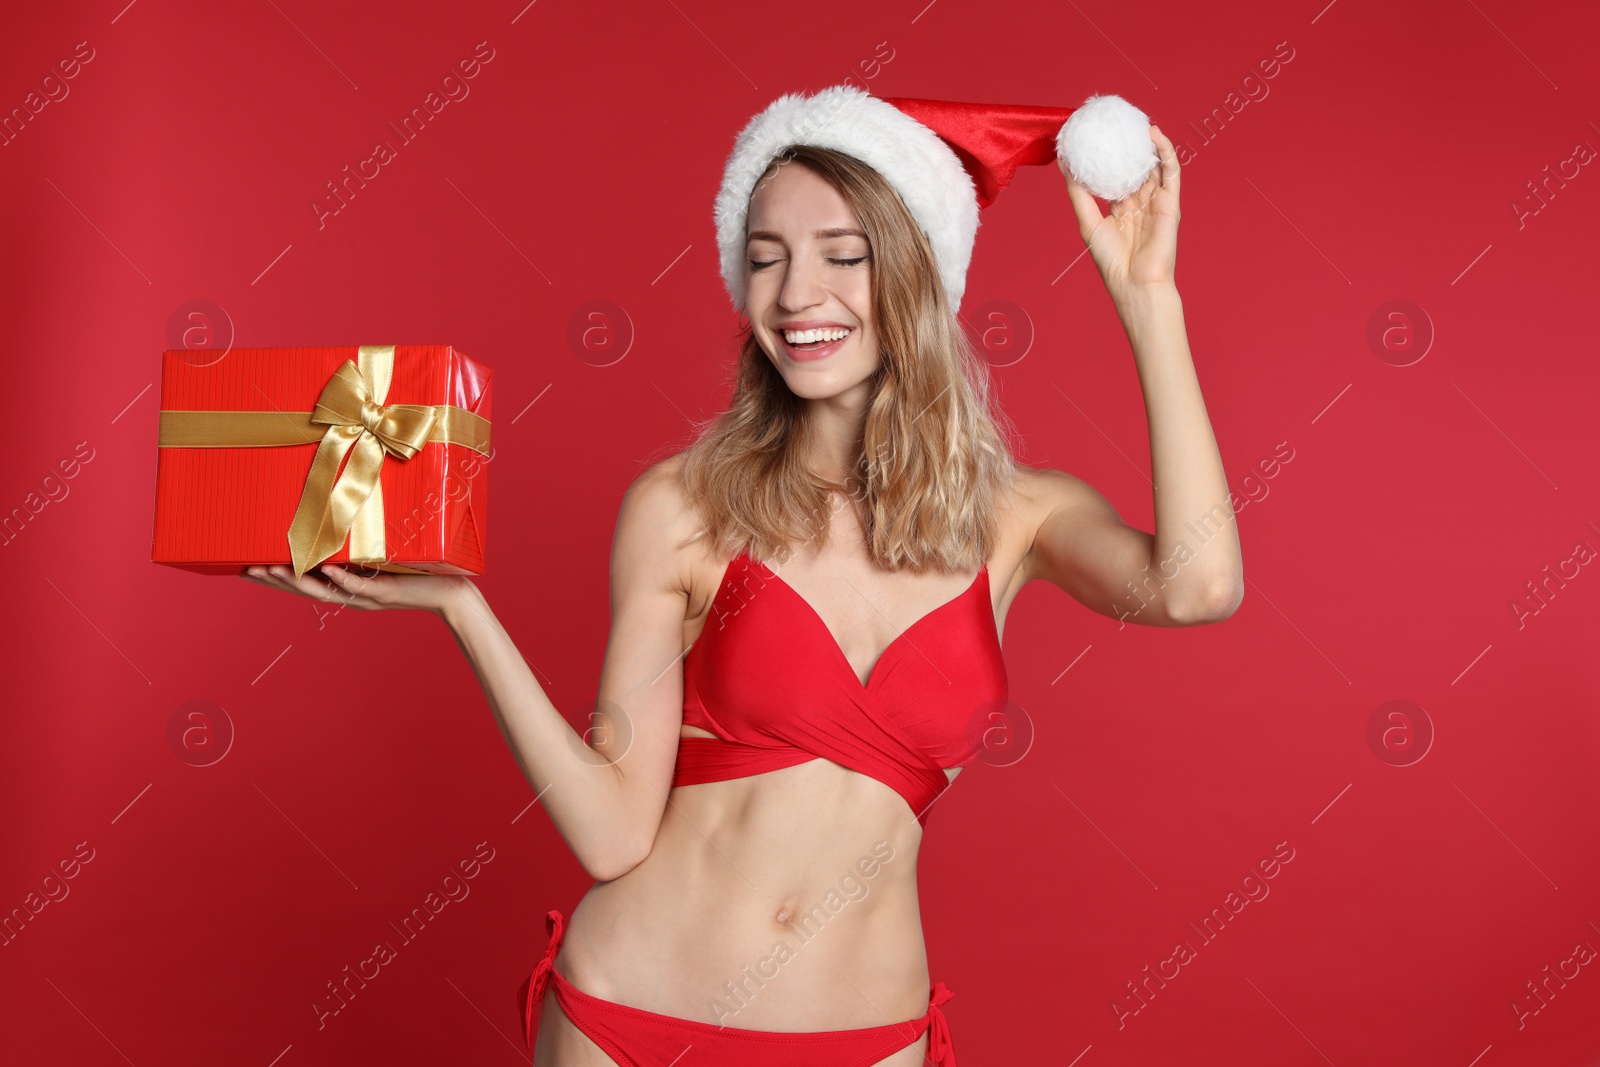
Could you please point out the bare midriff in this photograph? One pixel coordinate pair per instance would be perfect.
(759, 894)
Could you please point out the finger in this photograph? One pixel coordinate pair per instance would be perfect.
(1087, 210)
(284, 579)
(1153, 181)
(1135, 204)
(1132, 204)
(352, 584)
(1168, 155)
(308, 584)
(336, 595)
(262, 575)
(1152, 185)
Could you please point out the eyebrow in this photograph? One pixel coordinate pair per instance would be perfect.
(821, 235)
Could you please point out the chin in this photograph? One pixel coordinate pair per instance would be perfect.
(821, 380)
(822, 384)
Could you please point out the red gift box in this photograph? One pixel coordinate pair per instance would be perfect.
(376, 455)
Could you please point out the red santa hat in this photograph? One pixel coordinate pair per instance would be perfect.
(945, 159)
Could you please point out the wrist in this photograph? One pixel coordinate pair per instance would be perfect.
(462, 597)
(1142, 298)
(1143, 306)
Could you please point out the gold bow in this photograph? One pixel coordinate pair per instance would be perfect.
(362, 426)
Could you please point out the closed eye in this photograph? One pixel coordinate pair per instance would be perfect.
(757, 264)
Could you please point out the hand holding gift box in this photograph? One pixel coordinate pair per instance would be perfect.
(374, 455)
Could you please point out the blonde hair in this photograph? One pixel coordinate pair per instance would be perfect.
(932, 463)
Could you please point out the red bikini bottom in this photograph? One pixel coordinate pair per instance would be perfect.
(634, 1037)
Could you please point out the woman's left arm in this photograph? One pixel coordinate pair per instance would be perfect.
(1193, 556)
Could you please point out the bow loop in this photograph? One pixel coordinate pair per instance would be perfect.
(348, 400)
(941, 1049)
(402, 428)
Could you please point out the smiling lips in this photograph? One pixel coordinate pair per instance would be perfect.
(815, 341)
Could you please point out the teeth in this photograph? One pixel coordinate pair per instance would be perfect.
(802, 337)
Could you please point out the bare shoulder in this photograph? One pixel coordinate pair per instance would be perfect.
(658, 492)
(655, 528)
(1049, 488)
(1039, 493)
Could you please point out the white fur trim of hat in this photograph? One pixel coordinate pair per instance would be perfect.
(1105, 143)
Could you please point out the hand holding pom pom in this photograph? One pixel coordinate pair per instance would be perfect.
(1136, 246)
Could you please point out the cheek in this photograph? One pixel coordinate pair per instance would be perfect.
(770, 351)
(870, 342)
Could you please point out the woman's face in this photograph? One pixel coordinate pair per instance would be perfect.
(810, 266)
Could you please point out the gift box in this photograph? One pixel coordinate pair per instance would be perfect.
(375, 455)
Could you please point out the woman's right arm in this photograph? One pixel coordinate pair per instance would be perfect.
(605, 794)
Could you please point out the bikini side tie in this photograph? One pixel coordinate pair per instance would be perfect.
(555, 926)
(941, 1049)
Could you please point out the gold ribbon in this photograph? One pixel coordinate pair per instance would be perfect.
(350, 420)
(255, 429)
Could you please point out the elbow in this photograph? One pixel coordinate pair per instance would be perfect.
(627, 835)
(604, 871)
(607, 868)
(1220, 605)
(1212, 608)
(609, 864)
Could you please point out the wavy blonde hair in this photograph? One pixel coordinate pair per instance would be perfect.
(933, 460)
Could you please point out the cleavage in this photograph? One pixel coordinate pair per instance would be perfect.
(870, 607)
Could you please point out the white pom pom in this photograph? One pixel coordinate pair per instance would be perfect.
(1107, 147)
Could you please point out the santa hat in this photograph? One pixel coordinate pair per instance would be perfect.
(945, 159)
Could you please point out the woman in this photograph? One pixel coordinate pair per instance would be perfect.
(754, 902)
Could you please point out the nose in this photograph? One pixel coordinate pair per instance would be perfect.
(801, 284)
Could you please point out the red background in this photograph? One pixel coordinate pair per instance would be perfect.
(1383, 560)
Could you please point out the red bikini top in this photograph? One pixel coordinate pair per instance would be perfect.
(768, 679)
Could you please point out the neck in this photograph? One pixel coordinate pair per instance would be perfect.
(833, 438)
